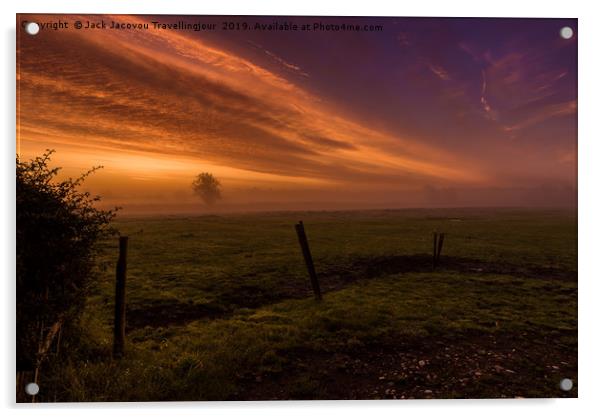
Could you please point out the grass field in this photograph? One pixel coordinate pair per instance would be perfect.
(220, 308)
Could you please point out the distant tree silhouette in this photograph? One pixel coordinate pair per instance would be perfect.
(57, 231)
(207, 187)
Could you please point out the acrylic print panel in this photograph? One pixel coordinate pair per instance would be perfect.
(295, 208)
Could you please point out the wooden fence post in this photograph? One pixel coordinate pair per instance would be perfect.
(119, 326)
(437, 246)
(309, 263)
(434, 249)
(441, 236)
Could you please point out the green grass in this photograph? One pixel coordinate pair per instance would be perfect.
(214, 301)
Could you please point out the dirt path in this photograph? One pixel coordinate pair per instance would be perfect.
(503, 365)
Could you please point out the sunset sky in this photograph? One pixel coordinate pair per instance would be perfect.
(425, 113)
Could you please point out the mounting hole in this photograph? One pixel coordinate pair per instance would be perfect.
(32, 28)
(566, 32)
(566, 384)
(32, 388)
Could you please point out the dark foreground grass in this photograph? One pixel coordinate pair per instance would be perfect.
(220, 308)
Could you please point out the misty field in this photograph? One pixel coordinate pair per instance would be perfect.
(221, 308)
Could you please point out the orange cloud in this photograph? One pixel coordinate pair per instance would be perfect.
(159, 105)
(554, 110)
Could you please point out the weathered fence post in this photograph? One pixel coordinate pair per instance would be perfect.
(119, 326)
(437, 246)
(441, 236)
(308, 260)
(434, 249)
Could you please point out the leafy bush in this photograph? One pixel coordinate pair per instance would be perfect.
(57, 230)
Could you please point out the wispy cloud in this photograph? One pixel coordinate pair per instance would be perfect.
(542, 114)
(287, 64)
(523, 89)
(439, 72)
(297, 69)
(488, 110)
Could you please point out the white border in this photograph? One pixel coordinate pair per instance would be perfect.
(590, 207)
